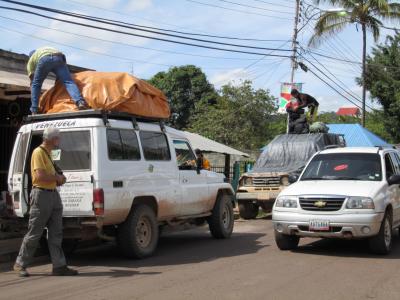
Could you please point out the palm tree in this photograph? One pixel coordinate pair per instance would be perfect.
(369, 14)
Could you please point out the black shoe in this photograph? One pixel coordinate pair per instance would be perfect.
(64, 271)
(82, 105)
(22, 272)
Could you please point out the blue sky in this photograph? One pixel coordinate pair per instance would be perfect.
(270, 20)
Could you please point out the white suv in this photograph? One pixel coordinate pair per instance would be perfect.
(126, 179)
(342, 193)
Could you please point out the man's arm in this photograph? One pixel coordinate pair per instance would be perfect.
(43, 177)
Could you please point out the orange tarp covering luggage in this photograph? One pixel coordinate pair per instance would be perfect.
(111, 91)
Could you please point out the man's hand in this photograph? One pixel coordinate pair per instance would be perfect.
(61, 179)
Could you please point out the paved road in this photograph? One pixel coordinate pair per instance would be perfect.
(191, 265)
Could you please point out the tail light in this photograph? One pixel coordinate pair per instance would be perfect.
(98, 202)
(9, 205)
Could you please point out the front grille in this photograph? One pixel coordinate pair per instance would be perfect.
(321, 204)
(267, 181)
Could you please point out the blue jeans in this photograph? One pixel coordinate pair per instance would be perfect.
(57, 65)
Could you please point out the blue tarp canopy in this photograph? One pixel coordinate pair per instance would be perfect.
(356, 135)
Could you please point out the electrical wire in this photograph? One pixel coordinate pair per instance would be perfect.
(143, 36)
(256, 7)
(175, 31)
(129, 45)
(237, 10)
(127, 25)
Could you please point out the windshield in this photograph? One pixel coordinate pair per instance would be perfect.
(344, 166)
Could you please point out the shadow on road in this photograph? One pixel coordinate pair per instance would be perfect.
(345, 248)
(187, 247)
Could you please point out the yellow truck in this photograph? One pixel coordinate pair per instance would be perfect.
(284, 156)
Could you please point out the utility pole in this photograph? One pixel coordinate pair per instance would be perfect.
(294, 41)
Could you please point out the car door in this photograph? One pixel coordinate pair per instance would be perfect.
(396, 188)
(195, 193)
(393, 190)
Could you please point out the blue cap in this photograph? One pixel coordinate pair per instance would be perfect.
(31, 53)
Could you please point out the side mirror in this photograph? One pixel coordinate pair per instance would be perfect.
(394, 179)
(293, 178)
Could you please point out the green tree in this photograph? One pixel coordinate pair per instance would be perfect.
(383, 82)
(185, 87)
(243, 117)
(367, 13)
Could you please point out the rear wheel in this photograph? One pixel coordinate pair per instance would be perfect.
(382, 243)
(286, 242)
(138, 235)
(222, 219)
(248, 210)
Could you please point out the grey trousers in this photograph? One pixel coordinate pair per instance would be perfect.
(46, 211)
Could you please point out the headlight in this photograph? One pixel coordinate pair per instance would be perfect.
(285, 180)
(248, 181)
(360, 203)
(288, 202)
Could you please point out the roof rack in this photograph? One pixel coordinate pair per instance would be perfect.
(96, 113)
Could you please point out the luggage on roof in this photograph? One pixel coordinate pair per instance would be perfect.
(111, 91)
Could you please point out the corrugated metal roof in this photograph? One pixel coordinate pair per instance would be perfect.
(357, 136)
(348, 111)
(207, 145)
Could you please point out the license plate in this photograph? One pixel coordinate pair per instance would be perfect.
(316, 225)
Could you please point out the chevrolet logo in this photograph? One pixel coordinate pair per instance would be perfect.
(320, 204)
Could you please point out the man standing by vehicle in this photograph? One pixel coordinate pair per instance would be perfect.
(41, 62)
(308, 101)
(46, 208)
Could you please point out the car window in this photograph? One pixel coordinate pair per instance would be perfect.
(344, 166)
(155, 146)
(74, 151)
(185, 157)
(20, 154)
(395, 162)
(122, 144)
(388, 166)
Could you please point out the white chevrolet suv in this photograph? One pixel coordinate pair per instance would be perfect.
(342, 193)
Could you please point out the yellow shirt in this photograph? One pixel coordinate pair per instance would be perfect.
(206, 164)
(36, 56)
(40, 161)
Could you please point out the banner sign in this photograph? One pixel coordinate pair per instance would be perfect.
(285, 96)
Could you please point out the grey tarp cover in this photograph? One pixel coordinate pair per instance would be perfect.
(289, 152)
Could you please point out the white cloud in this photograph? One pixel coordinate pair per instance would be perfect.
(231, 76)
(135, 5)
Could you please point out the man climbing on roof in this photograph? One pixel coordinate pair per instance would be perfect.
(41, 62)
(305, 100)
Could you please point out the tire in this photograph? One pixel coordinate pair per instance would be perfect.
(138, 236)
(382, 243)
(248, 210)
(222, 219)
(286, 242)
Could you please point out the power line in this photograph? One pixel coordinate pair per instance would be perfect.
(127, 25)
(129, 45)
(143, 36)
(256, 7)
(350, 94)
(236, 10)
(271, 3)
(127, 59)
(176, 31)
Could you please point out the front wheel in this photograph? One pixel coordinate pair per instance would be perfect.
(382, 243)
(248, 210)
(286, 242)
(138, 235)
(222, 219)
